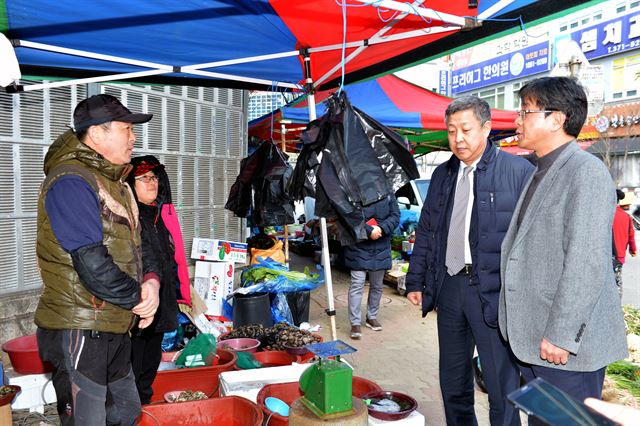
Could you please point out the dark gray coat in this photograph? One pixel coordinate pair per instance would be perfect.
(375, 255)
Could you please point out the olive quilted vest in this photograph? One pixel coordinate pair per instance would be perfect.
(65, 303)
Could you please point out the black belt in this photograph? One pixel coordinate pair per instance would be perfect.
(466, 269)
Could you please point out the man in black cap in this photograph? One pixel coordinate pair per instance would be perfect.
(90, 259)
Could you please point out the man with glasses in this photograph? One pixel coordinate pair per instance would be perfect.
(89, 255)
(455, 262)
(559, 307)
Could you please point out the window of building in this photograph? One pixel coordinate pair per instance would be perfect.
(624, 77)
(574, 24)
(597, 16)
(634, 4)
(563, 28)
(516, 88)
(494, 97)
(621, 7)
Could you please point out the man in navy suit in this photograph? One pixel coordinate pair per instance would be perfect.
(455, 264)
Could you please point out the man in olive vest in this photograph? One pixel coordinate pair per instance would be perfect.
(90, 259)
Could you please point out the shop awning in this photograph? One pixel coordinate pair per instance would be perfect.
(416, 112)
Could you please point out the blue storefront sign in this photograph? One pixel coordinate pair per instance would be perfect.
(609, 37)
(443, 83)
(528, 61)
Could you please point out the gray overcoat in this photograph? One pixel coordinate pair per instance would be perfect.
(556, 271)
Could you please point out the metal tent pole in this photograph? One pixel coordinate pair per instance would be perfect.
(326, 259)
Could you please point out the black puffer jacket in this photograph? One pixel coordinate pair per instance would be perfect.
(498, 182)
(375, 255)
(155, 235)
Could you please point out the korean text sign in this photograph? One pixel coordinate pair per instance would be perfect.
(609, 37)
(530, 60)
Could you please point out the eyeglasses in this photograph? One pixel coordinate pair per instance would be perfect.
(523, 112)
(147, 178)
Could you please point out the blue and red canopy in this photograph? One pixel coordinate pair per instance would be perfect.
(246, 43)
(392, 101)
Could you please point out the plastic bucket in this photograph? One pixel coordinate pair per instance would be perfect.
(225, 411)
(205, 379)
(23, 353)
(289, 392)
(252, 308)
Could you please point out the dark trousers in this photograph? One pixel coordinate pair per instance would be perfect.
(461, 326)
(85, 368)
(146, 353)
(578, 384)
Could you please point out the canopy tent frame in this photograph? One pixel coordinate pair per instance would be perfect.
(456, 23)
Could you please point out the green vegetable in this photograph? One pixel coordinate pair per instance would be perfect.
(626, 376)
(260, 273)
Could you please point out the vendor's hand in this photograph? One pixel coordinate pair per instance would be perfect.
(376, 232)
(552, 353)
(145, 322)
(634, 254)
(150, 299)
(415, 297)
(624, 415)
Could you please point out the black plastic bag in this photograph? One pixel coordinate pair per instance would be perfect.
(350, 161)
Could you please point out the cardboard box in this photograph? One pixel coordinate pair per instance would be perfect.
(213, 281)
(218, 250)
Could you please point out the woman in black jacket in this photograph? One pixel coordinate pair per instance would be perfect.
(150, 185)
(371, 257)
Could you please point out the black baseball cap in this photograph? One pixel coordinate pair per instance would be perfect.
(99, 109)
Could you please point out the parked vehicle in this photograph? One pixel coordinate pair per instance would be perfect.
(412, 195)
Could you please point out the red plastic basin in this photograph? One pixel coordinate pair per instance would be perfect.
(23, 353)
(225, 411)
(273, 359)
(204, 379)
(289, 392)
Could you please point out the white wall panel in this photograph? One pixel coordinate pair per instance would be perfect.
(198, 133)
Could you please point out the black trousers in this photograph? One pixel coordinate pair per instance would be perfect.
(146, 353)
(86, 367)
(461, 326)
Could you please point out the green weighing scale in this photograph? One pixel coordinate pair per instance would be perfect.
(327, 384)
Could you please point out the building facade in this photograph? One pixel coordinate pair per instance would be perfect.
(599, 44)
